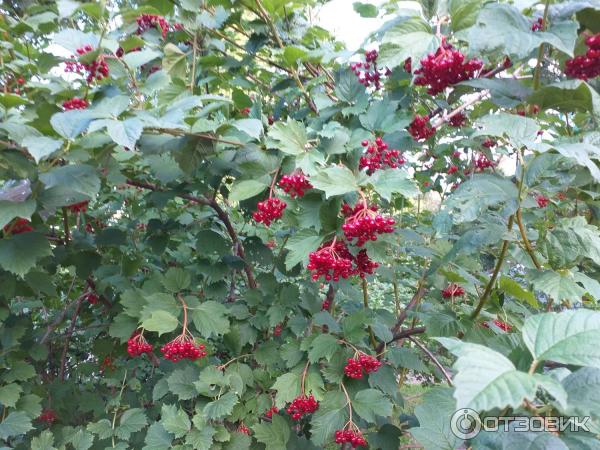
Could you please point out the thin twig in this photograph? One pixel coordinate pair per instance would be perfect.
(433, 359)
(526, 242)
(365, 291)
(63, 358)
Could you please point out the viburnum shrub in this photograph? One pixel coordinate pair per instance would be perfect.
(220, 229)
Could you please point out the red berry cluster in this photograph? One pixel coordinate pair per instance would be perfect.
(269, 210)
(482, 162)
(277, 330)
(378, 155)
(420, 128)
(365, 224)
(96, 70)
(75, 103)
(295, 184)
(537, 25)
(452, 169)
(48, 416)
(326, 305)
(147, 21)
(456, 154)
(107, 364)
(302, 405)
(457, 120)
(453, 290)
(489, 143)
(138, 345)
(361, 362)
(272, 410)
(368, 74)
(120, 51)
(502, 325)
(183, 347)
(586, 66)
(333, 261)
(243, 429)
(445, 67)
(19, 226)
(542, 200)
(408, 65)
(91, 297)
(351, 437)
(78, 207)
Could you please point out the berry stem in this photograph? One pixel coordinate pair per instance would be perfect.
(365, 290)
(434, 360)
(540, 56)
(114, 420)
(184, 330)
(304, 372)
(348, 402)
(526, 242)
(273, 181)
(223, 366)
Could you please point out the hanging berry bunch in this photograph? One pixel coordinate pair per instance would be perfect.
(137, 344)
(500, 324)
(367, 72)
(457, 120)
(301, 406)
(482, 162)
(270, 209)
(542, 200)
(75, 103)
(48, 416)
(331, 261)
(183, 346)
(377, 155)
(353, 437)
(444, 68)
(364, 223)
(95, 70)
(295, 184)
(586, 66)
(243, 429)
(91, 297)
(80, 207)
(538, 25)
(360, 363)
(18, 226)
(147, 21)
(272, 410)
(420, 128)
(453, 290)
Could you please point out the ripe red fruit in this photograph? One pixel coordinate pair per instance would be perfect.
(452, 169)
(18, 226)
(295, 184)
(48, 416)
(444, 68)
(355, 438)
(91, 297)
(326, 305)
(377, 155)
(277, 330)
(147, 21)
(95, 70)
(482, 162)
(367, 72)
(21, 80)
(542, 200)
(269, 210)
(182, 347)
(78, 207)
(456, 154)
(301, 406)
(489, 143)
(365, 224)
(586, 66)
(537, 25)
(408, 65)
(361, 362)
(333, 261)
(457, 120)
(420, 128)
(138, 345)
(272, 410)
(502, 325)
(453, 290)
(75, 103)
(271, 120)
(245, 111)
(243, 429)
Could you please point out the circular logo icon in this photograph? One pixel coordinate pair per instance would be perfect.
(465, 423)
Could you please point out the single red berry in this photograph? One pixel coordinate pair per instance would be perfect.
(21, 80)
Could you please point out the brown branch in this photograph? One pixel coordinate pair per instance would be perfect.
(526, 242)
(63, 358)
(433, 359)
(177, 132)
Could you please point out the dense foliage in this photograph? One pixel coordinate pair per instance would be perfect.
(222, 230)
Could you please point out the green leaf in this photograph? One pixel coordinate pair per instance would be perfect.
(464, 13)
(70, 124)
(175, 420)
(393, 181)
(287, 387)
(291, 55)
(582, 153)
(210, 319)
(44, 441)
(583, 391)
(337, 180)
(480, 192)
(11, 210)
(558, 285)
(410, 38)
(365, 9)
(486, 379)
(15, 424)
(11, 100)
(177, 279)
(139, 58)
(245, 189)
(521, 131)
(201, 439)
(252, 127)
(274, 435)
(161, 321)
(132, 421)
(19, 371)
(299, 246)
(175, 61)
(40, 147)
(77, 178)
(82, 440)
(370, 403)
(567, 96)
(31, 404)
(157, 438)
(288, 137)
(221, 407)
(124, 132)
(9, 394)
(181, 383)
(514, 289)
(323, 346)
(103, 428)
(434, 431)
(331, 416)
(20, 253)
(568, 337)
